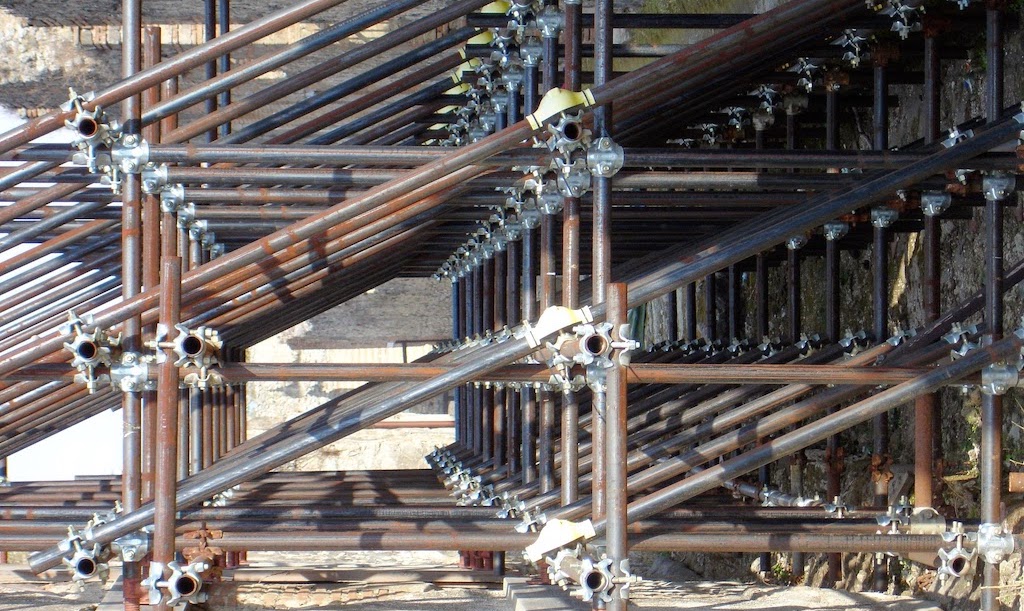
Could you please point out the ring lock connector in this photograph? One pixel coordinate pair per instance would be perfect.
(89, 349)
(85, 559)
(957, 560)
(182, 584)
(199, 347)
(568, 133)
(94, 133)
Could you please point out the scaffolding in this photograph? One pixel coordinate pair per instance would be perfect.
(469, 144)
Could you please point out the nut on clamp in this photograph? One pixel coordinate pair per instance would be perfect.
(134, 546)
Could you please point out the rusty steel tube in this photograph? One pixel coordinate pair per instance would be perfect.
(229, 79)
(571, 262)
(818, 430)
(151, 248)
(312, 75)
(367, 77)
(173, 67)
(426, 175)
(164, 504)
(616, 446)
(368, 99)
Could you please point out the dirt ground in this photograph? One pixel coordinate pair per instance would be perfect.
(18, 594)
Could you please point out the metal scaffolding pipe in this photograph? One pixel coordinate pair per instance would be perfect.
(171, 68)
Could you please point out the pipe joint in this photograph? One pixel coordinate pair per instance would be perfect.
(130, 153)
(795, 103)
(568, 134)
(762, 118)
(134, 546)
(998, 186)
(935, 203)
(808, 73)
(545, 187)
(897, 516)
(956, 136)
(131, 372)
(882, 217)
(853, 343)
(926, 521)
(176, 585)
(86, 559)
(906, 17)
(90, 349)
(551, 21)
(998, 378)
(835, 230)
(958, 559)
(511, 506)
(573, 177)
(595, 580)
(199, 347)
(796, 242)
(995, 543)
(93, 131)
(172, 198)
(837, 508)
(521, 10)
(605, 157)
(154, 178)
(851, 42)
(531, 50)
